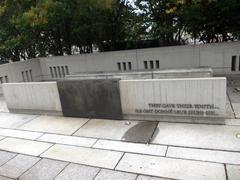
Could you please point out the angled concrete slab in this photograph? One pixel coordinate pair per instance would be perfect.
(131, 147)
(219, 137)
(68, 140)
(45, 169)
(8, 120)
(204, 155)
(18, 165)
(22, 146)
(116, 175)
(79, 172)
(141, 177)
(171, 168)
(86, 156)
(6, 156)
(98, 98)
(20, 134)
(55, 124)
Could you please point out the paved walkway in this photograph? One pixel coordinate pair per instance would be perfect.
(49, 147)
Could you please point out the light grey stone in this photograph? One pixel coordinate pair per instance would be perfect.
(106, 174)
(233, 172)
(20, 134)
(55, 124)
(68, 140)
(3, 105)
(105, 129)
(131, 147)
(141, 177)
(198, 135)
(87, 156)
(24, 146)
(171, 168)
(8, 120)
(204, 155)
(5, 156)
(45, 169)
(18, 165)
(78, 172)
(4, 178)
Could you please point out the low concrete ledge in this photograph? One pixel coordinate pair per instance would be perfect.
(33, 98)
(190, 97)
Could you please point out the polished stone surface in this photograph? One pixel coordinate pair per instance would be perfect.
(20, 134)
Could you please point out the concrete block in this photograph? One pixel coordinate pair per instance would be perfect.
(171, 168)
(68, 140)
(217, 137)
(233, 172)
(90, 98)
(20, 134)
(55, 124)
(79, 172)
(45, 169)
(24, 146)
(110, 175)
(34, 97)
(192, 97)
(204, 155)
(18, 165)
(86, 156)
(151, 149)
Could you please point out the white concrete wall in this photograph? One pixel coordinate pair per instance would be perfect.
(177, 97)
(33, 97)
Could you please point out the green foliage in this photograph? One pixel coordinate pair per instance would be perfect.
(33, 28)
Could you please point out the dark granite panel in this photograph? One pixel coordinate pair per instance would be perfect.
(90, 98)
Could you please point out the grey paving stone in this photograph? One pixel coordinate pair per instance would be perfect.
(131, 147)
(141, 177)
(69, 140)
(55, 124)
(105, 129)
(12, 121)
(3, 105)
(87, 156)
(5, 156)
(4, 178)
(204, 155)
(233, 172)
(218, 137)
(18, 165)
(45, 169)
(19, 134)
(106, 174)
(171, 168)
(78, 172)
(22, 146)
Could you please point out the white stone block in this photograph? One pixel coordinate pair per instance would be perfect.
(87, 156)
(20, 134)
(131, 147)
(55, 124)
(201, 97)
(24, 146)
(233, 172)
(171, 168)
(110, 175)
(34, 97)
(218, 137)
(68, 140)
(204, 155)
